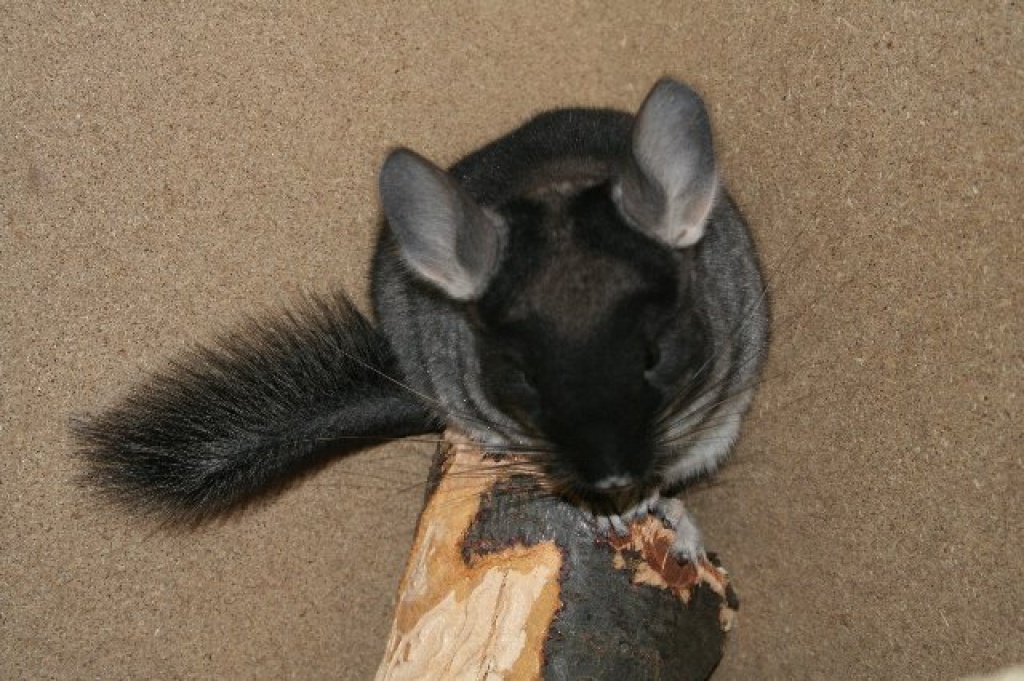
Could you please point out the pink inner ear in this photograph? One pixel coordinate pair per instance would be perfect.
(689, 226)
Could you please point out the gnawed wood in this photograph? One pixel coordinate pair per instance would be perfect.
(507, 582)
(481, 618)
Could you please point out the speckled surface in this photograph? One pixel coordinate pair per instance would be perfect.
(165, 169)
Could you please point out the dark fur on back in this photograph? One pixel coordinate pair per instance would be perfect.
(554, 144)
(227, 421)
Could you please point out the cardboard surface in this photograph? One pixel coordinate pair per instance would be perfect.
(169, 168)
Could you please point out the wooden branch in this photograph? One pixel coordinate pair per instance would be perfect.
(507, 582)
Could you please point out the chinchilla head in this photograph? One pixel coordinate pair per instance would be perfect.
(570, 262)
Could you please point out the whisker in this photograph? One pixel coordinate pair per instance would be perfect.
(772, 273)
(684, 393)
(426, 399)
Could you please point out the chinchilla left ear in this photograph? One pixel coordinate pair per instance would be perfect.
(668, 186)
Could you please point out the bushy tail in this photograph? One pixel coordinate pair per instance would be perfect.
(226, 422)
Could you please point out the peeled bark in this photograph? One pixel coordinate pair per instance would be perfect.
(507, 582)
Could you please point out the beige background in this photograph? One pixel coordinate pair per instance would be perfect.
(166, 168)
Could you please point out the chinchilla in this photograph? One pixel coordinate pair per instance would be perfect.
(582, 292)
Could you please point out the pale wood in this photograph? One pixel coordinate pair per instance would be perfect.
(471, 620)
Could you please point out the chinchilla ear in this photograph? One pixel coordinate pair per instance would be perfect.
(669, 186)
(443, 235)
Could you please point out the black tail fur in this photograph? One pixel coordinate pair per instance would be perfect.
(229, 421)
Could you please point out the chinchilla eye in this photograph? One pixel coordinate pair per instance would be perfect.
(527, 376)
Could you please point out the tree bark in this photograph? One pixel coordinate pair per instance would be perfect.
(505, 581)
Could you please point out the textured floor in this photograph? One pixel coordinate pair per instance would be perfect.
(166, 168)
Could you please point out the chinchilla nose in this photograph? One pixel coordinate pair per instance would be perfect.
(607, 458)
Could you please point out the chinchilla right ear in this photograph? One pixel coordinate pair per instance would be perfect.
(669, 185)
(443, 235)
